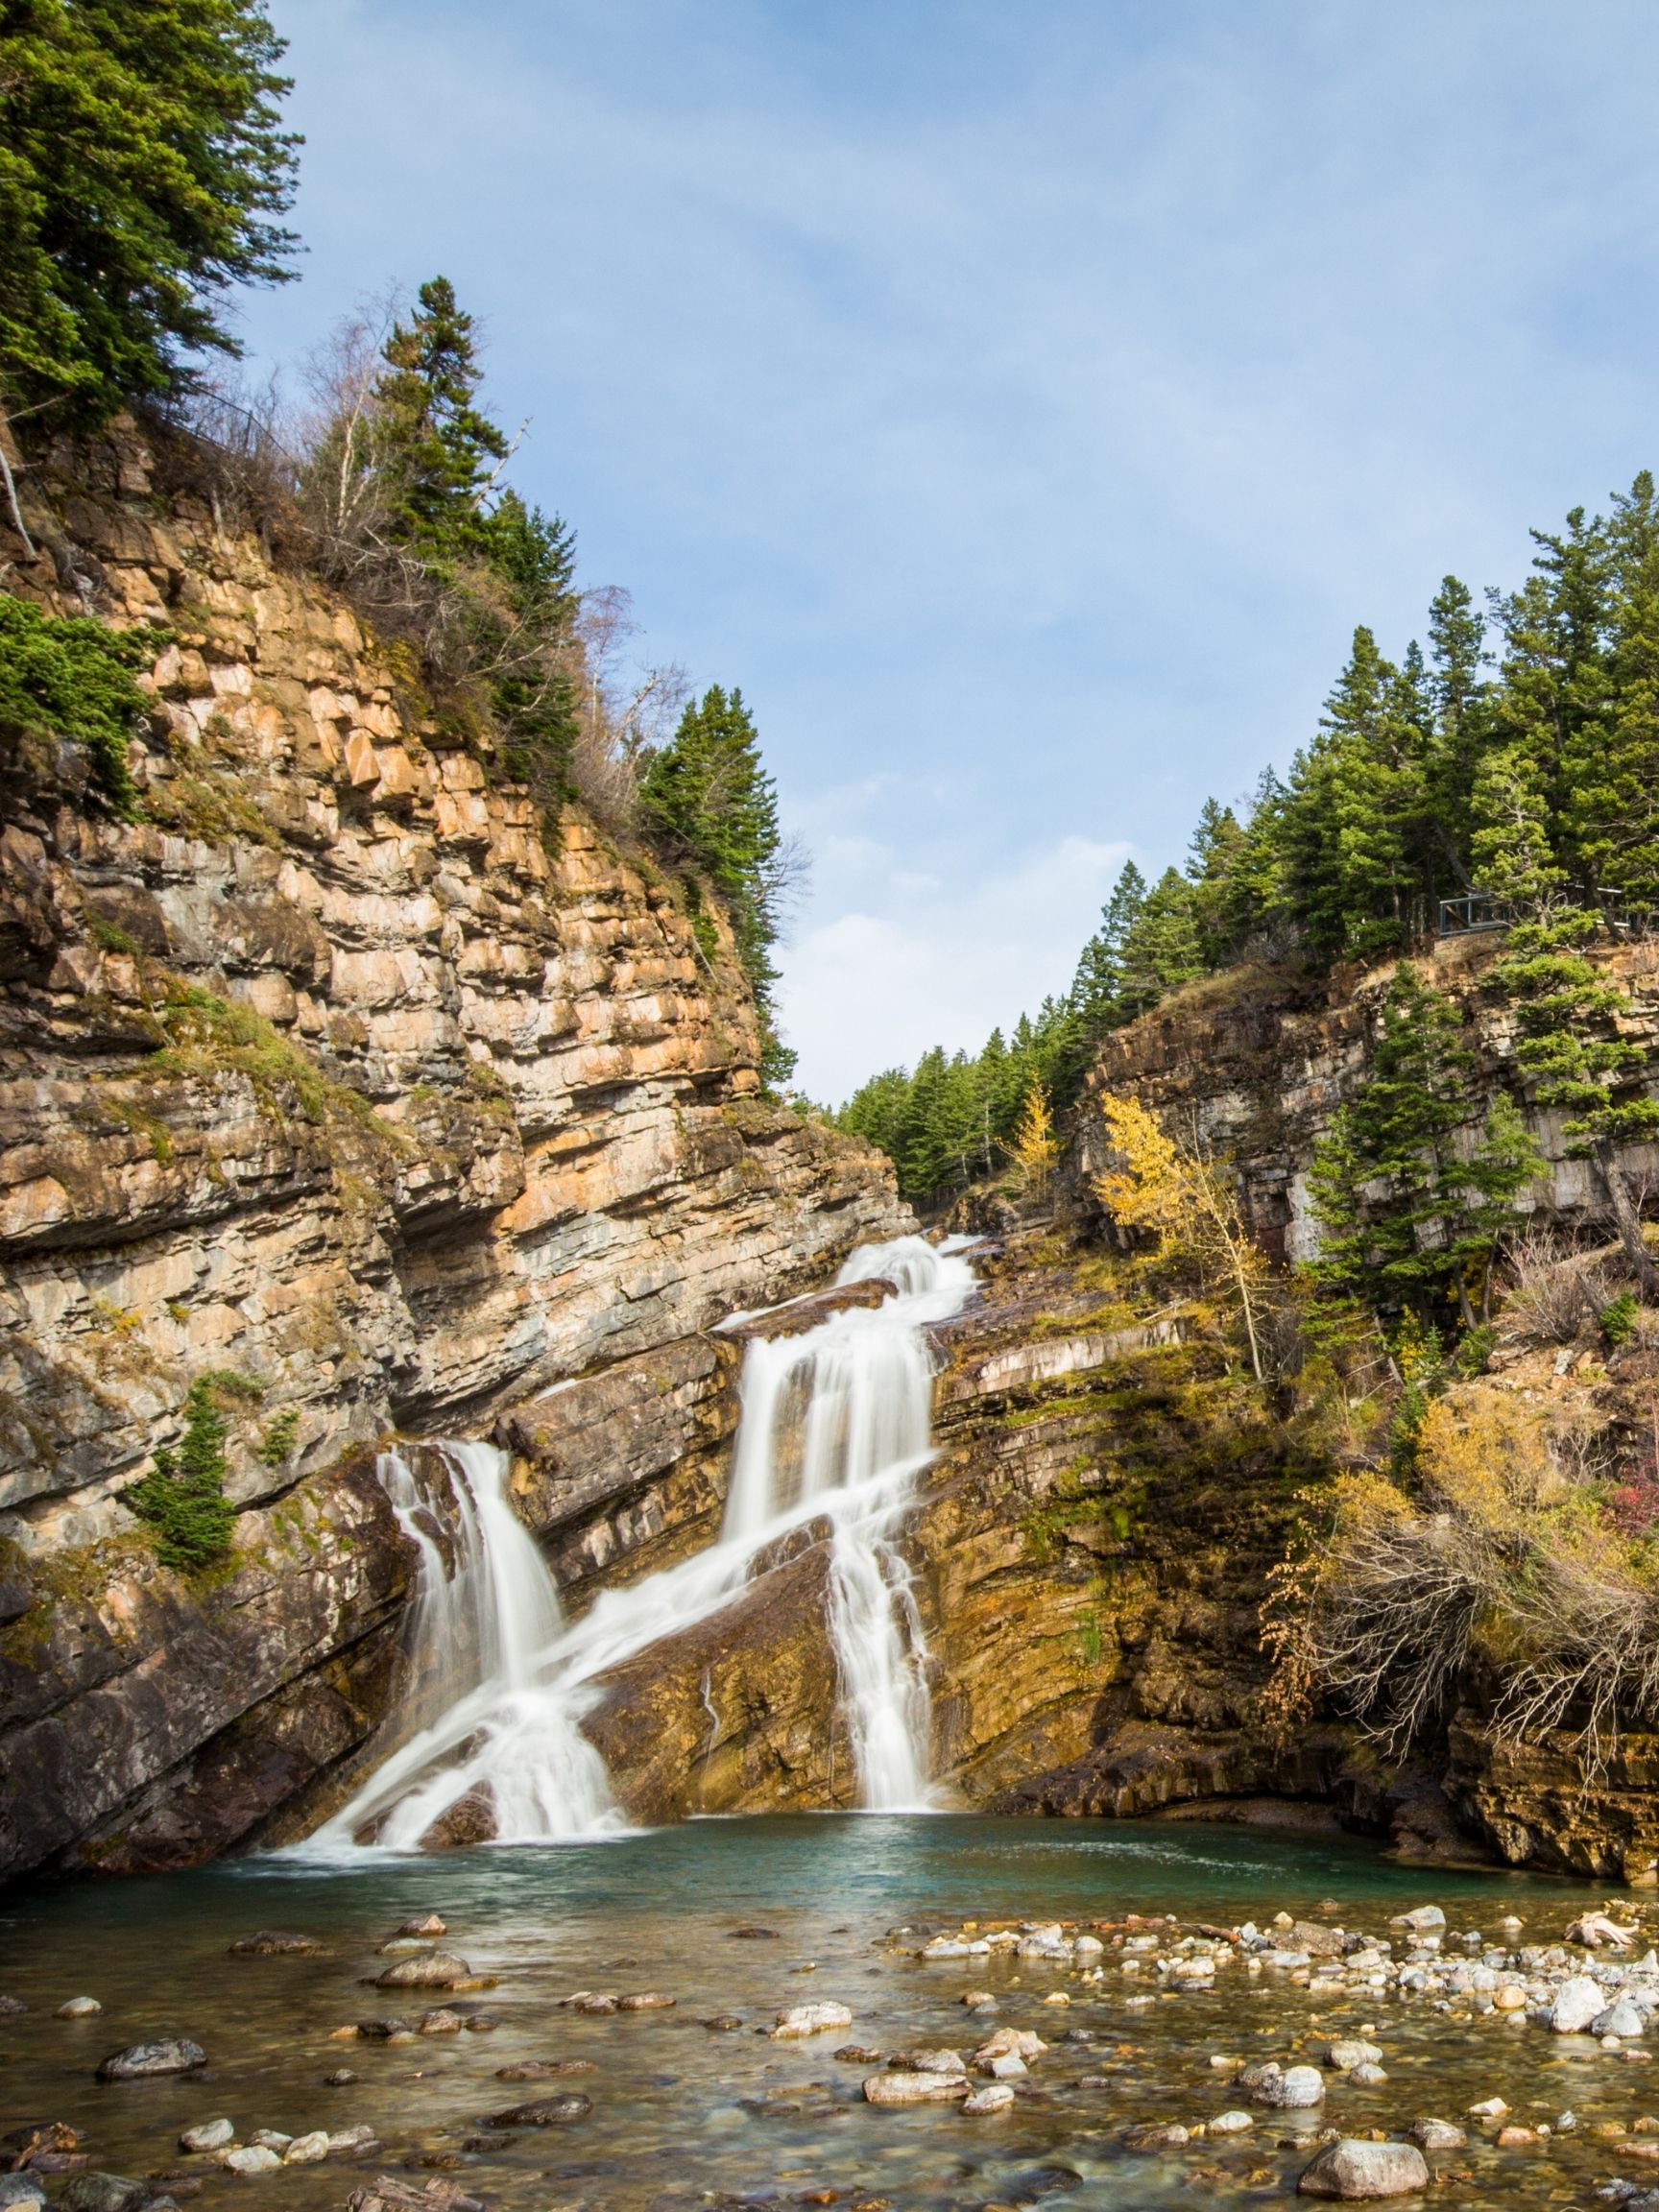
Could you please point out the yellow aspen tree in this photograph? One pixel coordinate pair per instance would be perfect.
(1036, 1147)
(1189, 1203)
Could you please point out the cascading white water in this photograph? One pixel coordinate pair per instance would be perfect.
(836, 1423)
(494, 1719)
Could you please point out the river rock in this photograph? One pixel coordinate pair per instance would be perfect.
(1423, 1920)
(270, 2139)
(423, 1924)
(1350, 2053)
(544, 2111)
(1318, 1941)
(384, 2031)
(1367, 2077)
(646, 2001)
(723, 2023)
(543, 2069)
(392, 2194)
(914, 2088)
(801, 2020)
(1437, 2135)
(11, 2007)
(1621, 2018)
(1356, 2172)
(1024, 2042)
(340, 2078)
(1285, 2089)
(928, 2061)
(1231, 2123)
(351, 2140)
(1488, 2108)
(77, 2008)
(252, 2158)
(1155, 2135)
(995, 2096)
(139, 2062)
(1006, 2066)
(1578, 2003)
(307, 2149)
(426, 1970)
(441, 2022)
(208, 2135)
(1509, 1997)
(21, 2192)
(104, 2193)
(273, 1943)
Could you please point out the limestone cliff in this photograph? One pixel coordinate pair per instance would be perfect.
(345, 1077)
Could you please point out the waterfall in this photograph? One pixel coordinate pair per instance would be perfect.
(495, 1719)
(834, 1427)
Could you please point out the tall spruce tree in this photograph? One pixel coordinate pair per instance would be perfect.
(142, 170)
(437, 447)
(1162, 949)
(716, 808)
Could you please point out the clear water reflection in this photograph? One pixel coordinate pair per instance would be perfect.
(684, 2114)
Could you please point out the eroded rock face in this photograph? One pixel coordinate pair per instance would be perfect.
(343, 1072)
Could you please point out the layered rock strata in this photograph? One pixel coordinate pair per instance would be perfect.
(347, 1077)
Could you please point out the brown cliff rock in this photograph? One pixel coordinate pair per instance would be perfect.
(345, 1074)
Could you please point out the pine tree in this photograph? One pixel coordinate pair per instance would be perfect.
(1352, 811)
(1097, 985)
(1611, 797)
(1214, 852)
(142, 166)
(437, 447)
(1571, 1049)
(1408, 1205)
(1162, 949)
(1460, 698)
(716, 808)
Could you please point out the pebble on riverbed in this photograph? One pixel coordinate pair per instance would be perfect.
(141, 2061)
(1352, 2171)
(208, 2135)
(274, 1943)
(430, 1970)
(801, 2020)
(77, 2008)
(544, 2111)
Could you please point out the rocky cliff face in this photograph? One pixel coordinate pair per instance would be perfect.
(345, 1077)
(1260, 1058)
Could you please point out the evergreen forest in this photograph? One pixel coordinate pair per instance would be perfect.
(1505, 773)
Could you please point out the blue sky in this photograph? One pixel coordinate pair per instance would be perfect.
(1020, 405)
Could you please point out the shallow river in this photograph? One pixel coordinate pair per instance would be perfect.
(684, 2114)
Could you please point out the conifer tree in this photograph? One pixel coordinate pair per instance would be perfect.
(1161, 949)
(436, 445)
(142, 167)
(716, 809)
(1408, 1202)
(1097, 986)
(1214, 852)
(1574, 1057)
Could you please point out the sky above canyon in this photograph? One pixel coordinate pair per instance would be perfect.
(1020, 405)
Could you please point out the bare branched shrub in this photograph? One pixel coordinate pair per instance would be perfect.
(1557, 1289)
(1504, 1560)
(623, 714)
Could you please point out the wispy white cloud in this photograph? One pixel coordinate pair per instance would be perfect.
(1022, 405)
(900, 960)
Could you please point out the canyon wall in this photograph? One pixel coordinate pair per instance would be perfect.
(345, 1077)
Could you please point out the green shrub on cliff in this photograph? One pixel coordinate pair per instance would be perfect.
(183, 1497)
(141, 167)
(68, 676)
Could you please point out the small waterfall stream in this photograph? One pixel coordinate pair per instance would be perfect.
(835, 1425)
